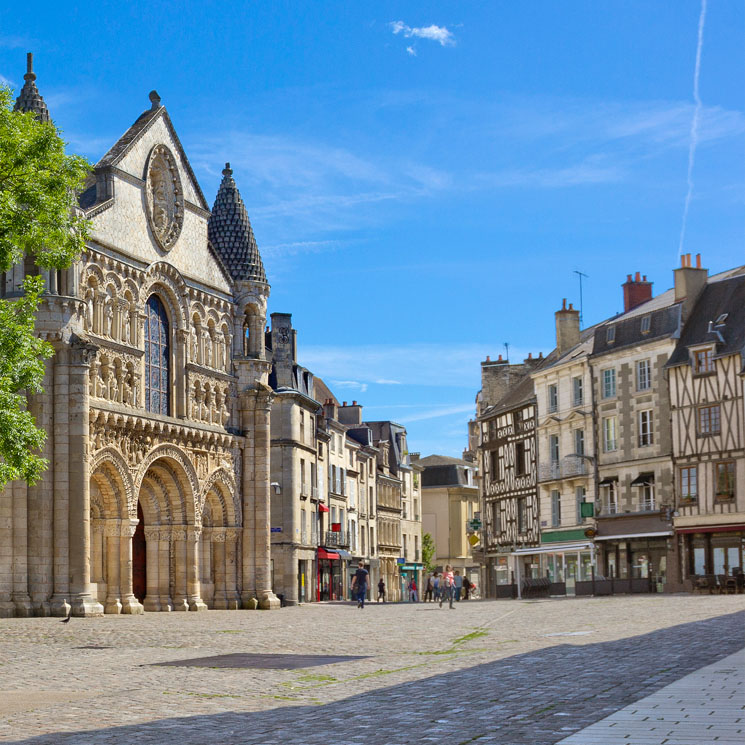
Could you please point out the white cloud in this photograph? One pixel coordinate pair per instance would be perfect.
(383, 381)
(440, 34)
(411, 51)
(350, 384)
(438, 412)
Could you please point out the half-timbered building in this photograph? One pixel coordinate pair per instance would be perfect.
(708, 429)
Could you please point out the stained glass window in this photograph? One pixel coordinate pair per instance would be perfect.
(157, 353)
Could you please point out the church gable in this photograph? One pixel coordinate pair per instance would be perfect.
(148, 203)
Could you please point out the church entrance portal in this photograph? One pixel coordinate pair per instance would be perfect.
(139, 562)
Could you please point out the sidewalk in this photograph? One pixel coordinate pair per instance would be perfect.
(704, 708)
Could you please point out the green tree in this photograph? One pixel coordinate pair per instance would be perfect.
(39, 220)
(428, 552)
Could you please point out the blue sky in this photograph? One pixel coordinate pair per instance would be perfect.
(424, 178)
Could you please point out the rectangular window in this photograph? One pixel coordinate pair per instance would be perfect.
(645, 428)
(555, 508)
(579, 494)
(646, 324)
(553, 398)
(553, 448)
(493, 464)
(496, 519)
(703, 361)
(610, 441)
(689, 482)
(520, 469)
(611, 498)
(303, 490)
(709, 421)
(610, 334)
(578, 391)
(724, 472)
(646, 498)
(522, 515)
(579, 441)
(643, 375)
(609, 383)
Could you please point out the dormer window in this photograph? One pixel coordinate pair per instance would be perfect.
(610, 334)
(703, 361)
(646, 324)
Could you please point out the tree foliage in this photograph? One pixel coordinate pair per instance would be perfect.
(39, 219)
(428, 552)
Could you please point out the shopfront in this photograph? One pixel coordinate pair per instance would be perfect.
(636, 556)
(412, 570)
(712, 550)
(563, 564)
(330, 583)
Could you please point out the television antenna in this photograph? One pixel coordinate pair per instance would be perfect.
(586, 276)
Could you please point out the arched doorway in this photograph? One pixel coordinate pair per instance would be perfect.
(139, 558)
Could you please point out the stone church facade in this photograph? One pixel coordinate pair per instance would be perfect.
(156, 403)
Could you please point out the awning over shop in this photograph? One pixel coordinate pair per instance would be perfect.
(625, 536)
(608, 480)
(553, 549)
(710, 529)
(323, 508)
(643, 479)
(410, 567)
(324, 554)
(343, 554)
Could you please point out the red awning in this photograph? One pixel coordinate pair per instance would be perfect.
(324, 554)
(322, 508)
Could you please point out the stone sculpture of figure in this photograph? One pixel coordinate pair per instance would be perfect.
(126, 323)
(207, 408)
(207, 350)
(194, 348)
(108, 324)
(198, 398)
(89, 309)
(112, 386)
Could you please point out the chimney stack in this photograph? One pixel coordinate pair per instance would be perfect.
(635, 291)
(689, 282)
(567, 327)
(350, 414)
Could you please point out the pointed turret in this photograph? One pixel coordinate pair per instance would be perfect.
(30, 99)
(231, 235)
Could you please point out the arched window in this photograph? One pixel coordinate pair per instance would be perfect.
(157, 357)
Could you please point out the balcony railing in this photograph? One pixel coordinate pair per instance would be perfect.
(571, 465)
(334, 538)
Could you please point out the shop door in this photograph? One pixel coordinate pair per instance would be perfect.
(139, 567)
(571, 565)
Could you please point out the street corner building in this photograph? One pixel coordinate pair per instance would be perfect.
(156, 403)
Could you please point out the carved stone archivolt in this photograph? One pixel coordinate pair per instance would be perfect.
(164, 197)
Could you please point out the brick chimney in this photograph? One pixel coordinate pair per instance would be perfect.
(635, 291)
(689, 282)
(567, 327)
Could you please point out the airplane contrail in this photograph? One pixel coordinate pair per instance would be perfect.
(694, 125)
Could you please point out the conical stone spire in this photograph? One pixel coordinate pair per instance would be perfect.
(30, 99)
(230, 233)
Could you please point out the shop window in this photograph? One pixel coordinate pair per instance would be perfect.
(709, 420)
(724, 472)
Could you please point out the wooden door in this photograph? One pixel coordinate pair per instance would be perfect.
(139, 566)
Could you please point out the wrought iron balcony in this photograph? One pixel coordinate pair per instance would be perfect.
(568, 467)
(334, 538)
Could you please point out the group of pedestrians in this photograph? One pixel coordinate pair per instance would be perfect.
(444, 586)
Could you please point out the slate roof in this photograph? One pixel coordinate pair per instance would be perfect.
(29, 99)
(442, 470)
(230, 233)
(322, 392)
(716, 299)
(663, 323)
(443, 460)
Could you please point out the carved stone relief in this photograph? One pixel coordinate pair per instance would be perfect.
(165, 198)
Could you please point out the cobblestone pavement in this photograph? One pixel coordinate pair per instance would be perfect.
(507, 672)
(707, 706)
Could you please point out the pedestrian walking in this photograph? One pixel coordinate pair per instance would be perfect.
(447, 589)
(430, 588)
(466, 587)
(359, 584)
(381, 590)
(458, 585)
(413, 591)
(437, 586)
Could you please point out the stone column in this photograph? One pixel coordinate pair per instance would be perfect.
(97, 557)
(192, 569)
(152, 548)
(180, 358)
(218, 546)
(232, 536)
(164, 569)
(23, 605)
(83, 604)
(7, 607)
(130, 604)
(112, 537)
(256, 512)
(178, 535)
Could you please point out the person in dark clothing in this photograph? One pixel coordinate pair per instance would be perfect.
(466, 587)
(430, 589)
(359, 584)
(381, 590)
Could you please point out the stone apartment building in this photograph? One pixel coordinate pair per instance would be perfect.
(450, 499)
(566, 454)
(706, 374)
(156, 403)
(634, 453)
